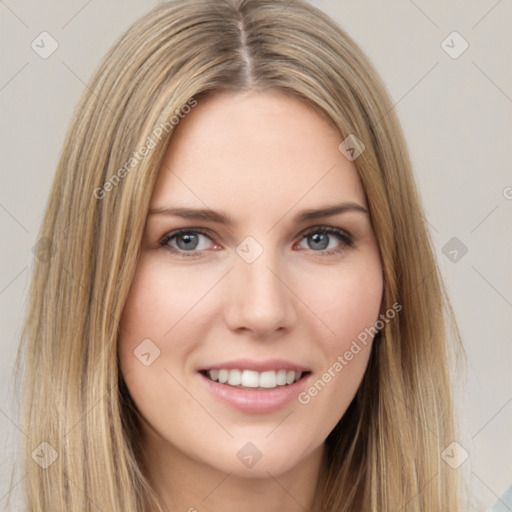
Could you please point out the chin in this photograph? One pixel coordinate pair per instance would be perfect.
(260, 456)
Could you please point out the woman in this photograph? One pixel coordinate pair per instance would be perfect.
(291, 353)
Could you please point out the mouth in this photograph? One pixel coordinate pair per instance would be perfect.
(255, 386)
(253, 380)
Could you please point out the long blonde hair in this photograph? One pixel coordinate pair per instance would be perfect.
(385, 453)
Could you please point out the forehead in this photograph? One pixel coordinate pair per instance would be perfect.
(255, 153)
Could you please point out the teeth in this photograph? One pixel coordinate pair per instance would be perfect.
(268, 379)
(235, 378)
(223, 376)
(252, 379)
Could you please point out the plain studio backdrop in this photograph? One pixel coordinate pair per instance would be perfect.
(447, 68)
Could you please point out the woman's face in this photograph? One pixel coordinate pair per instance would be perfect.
(256, 288)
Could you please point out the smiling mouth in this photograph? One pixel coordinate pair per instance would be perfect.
(254, 380)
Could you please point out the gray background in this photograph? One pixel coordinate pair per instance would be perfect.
(457, 116)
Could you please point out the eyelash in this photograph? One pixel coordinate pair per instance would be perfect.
(344, 237)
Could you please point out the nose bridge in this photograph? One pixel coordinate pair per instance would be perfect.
(260, 299)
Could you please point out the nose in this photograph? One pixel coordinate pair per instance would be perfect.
(260, 299)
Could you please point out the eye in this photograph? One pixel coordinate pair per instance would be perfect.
(320, 237)
(191, 242)
(186, 241)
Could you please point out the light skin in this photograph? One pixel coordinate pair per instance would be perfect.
(261, 158)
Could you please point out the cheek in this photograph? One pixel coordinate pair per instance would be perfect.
(158, 304)
(152, 309)
(347, 302)
(348, 305)
(351, 312)
(155, 299)
(151, 340)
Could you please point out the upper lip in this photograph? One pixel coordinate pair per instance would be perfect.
(258, 366)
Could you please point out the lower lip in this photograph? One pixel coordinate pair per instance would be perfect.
(250, 401)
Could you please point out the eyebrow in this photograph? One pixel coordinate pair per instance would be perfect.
(223, 218)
